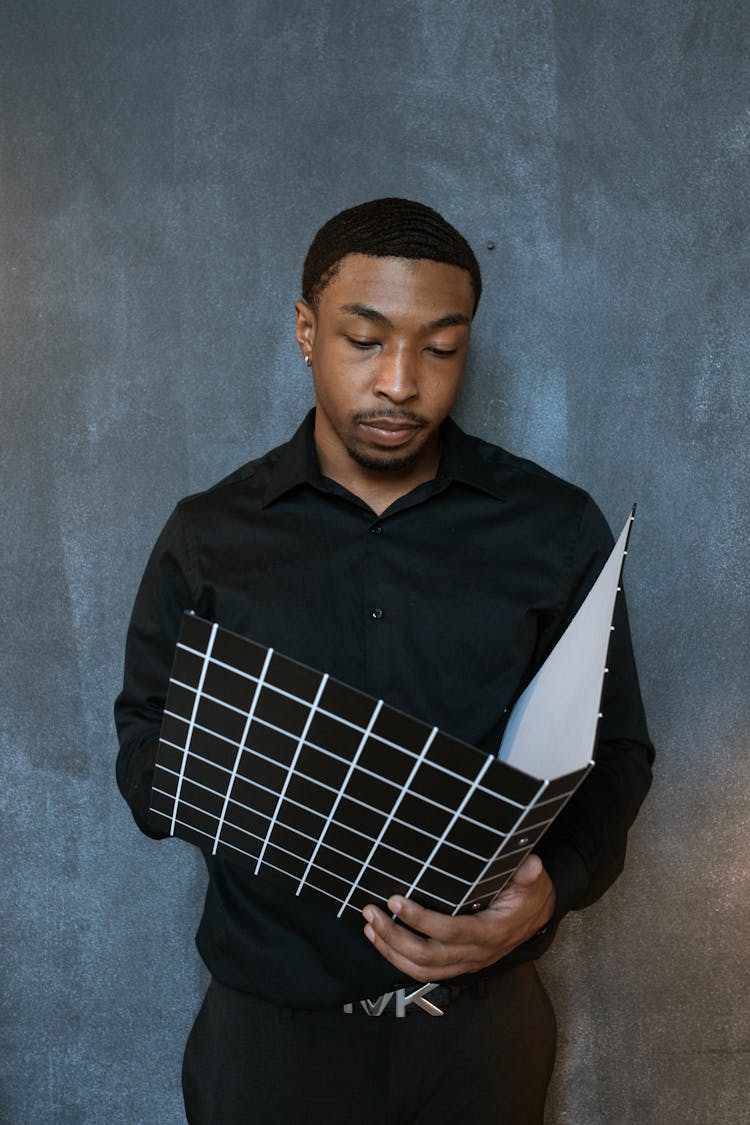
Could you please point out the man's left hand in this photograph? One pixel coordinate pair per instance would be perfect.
(447, 946)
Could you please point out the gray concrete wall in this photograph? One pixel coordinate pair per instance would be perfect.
(163, 167)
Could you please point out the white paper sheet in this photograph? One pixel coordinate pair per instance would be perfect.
(552, 727)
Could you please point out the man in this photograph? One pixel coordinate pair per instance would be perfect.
(388, 548)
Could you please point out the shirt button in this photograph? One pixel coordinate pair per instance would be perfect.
(376, 530)
(377, 614)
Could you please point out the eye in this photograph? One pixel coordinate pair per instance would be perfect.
(362, 344)
(443, 353)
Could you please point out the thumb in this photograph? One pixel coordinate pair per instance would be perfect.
(529, 871)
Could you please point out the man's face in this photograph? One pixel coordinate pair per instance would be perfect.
(388, 343)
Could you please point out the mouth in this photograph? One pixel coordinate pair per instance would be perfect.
(389, 431)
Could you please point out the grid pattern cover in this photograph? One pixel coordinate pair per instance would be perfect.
(331, 793)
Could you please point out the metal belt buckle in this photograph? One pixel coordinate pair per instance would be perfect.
(418, 996)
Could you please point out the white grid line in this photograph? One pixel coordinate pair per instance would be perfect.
(308, 808)
(370, 773)
(391, 817)
(338, 875)
(444, 838)
(340, 794)
(191, 724)
(329, 715)
(241, 747)
(332, 789)
(292, 764)
(288, 851)
(516, 828)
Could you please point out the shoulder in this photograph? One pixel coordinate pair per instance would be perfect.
(247, 483)
(521, 470)
(494, 466)
(534, 498)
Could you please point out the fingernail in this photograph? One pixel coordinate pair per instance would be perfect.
(367, 913)
(369, 933)
(395, 905)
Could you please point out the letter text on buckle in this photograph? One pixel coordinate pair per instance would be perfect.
(418, 996)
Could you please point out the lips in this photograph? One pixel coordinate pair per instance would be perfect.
(390, 424)
(390, 431)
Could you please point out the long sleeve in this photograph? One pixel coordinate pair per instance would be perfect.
(584, 849)
(164, 594)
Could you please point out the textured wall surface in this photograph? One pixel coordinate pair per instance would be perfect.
(162, 170)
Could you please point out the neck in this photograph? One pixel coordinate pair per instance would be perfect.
(378, 488)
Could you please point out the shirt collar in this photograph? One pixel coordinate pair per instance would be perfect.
(464, 458)
(297, 463)
(471, 461)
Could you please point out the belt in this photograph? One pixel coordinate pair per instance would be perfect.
(424, 998)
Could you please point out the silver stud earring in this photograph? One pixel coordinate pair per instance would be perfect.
(308, 361)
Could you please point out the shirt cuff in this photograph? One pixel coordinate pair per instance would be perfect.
(566, 869)
(140, 780)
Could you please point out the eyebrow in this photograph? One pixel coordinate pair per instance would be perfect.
(378, 317)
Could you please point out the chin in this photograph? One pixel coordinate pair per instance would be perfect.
(383, 462)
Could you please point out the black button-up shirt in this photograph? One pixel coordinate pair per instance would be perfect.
(444, 606)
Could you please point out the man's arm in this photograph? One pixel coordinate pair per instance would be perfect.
(444, 946)
(583, 851)
(164, 594)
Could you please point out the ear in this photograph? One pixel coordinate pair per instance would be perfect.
(304, 327)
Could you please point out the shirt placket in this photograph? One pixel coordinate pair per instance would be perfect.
(377, 610)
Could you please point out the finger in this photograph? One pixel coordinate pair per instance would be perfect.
(430, 965)
(400, 939)
(399, 961)
(404, 950)
(529, 871)
(440, 927)
(425, 958)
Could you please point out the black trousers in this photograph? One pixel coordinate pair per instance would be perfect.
(487, 1061)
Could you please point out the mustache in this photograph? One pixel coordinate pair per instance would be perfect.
(390, 413)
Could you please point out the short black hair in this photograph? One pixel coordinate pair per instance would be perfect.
(386, 228)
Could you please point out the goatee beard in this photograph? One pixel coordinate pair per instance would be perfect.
(382, 464)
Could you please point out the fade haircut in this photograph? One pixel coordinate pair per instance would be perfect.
(386, 228)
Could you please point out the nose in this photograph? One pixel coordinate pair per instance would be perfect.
(396, 378)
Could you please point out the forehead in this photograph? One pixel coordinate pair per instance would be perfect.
(399, 287)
